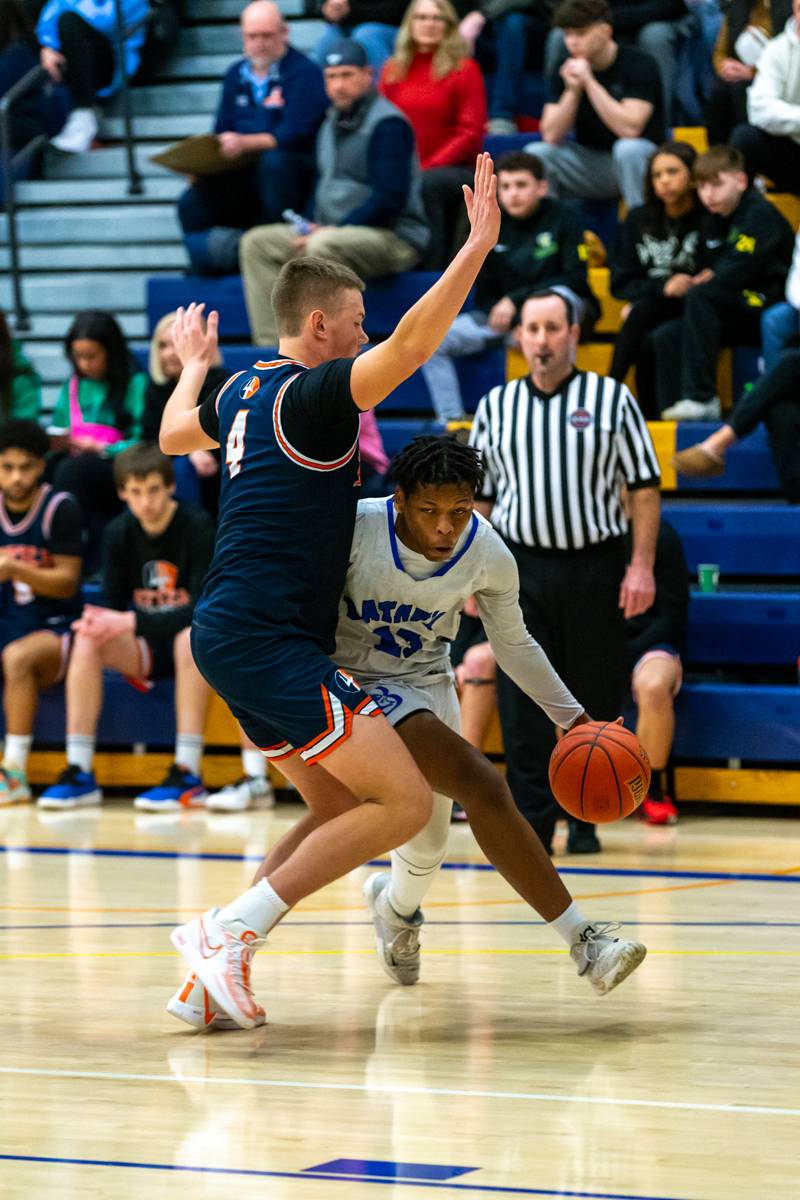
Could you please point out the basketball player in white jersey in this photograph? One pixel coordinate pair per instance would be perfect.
(416, 558)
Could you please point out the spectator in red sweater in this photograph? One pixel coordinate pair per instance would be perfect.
(432, 79)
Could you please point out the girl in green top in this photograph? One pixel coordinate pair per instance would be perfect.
(98, 412)
(20, 386)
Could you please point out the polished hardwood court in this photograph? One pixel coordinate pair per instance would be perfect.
(500, 1074)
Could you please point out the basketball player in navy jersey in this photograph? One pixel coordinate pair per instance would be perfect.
(415, 559)
(41, 542)
(265, 624)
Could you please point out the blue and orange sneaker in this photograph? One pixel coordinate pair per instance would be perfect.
(181, 789)
(74, 788)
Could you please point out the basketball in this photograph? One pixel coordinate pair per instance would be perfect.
(599, 772)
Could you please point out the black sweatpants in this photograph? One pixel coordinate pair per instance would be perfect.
(686, 349)
(770, 155)
(443, 198)
(775, 399)
(570, 602)
(90, 59)
(634, 348)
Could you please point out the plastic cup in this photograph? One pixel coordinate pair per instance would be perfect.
(708, 576)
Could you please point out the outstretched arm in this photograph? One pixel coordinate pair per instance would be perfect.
(379, 371)
(197, 347)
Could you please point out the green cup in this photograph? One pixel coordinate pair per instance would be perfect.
(708, 576)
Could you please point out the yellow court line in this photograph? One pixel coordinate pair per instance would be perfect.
(458, 952)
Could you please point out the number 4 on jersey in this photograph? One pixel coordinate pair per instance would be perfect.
(234, 447)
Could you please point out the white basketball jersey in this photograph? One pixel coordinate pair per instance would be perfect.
(392, 624)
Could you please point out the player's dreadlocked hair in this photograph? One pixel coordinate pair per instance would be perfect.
(438, 461)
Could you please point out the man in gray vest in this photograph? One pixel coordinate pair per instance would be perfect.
(368, 211)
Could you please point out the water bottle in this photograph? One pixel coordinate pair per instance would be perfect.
(301, 226)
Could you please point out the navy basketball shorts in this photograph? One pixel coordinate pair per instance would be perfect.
(287, 695)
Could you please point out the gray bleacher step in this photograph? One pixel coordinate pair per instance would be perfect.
(71, 291)
(226, 39)
(106, 163)
(230, 10)
(44, 327)
(156, 129)
(106, 257)
(113, 224)
(49, 360)
(98, 191)
(195, 66)
(162, 100)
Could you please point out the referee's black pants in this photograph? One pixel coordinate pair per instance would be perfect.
(570, 602)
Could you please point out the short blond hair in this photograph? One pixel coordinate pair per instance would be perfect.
(154, 358)
(305, 284)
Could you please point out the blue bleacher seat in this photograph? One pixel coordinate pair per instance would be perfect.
(398, 433)
(165, 293)
(744, 539)
(718, 721)
(744, 626)
(498, 144)
(749, 466)
(127, 717)
(386, 299)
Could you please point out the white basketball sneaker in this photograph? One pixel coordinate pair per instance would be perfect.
(396, 937)
(605, 960)
(221, 960)
(193, 1005)
(239, 796)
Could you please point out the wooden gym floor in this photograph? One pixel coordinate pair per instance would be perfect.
(500, 1074)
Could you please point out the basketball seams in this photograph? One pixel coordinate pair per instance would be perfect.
(599, 735)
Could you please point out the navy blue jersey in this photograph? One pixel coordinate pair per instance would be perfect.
(289, 436)
(51, 526)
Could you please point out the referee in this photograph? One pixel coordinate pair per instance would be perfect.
(559, 447)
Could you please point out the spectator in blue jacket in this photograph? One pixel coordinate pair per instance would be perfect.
(78, 48)
(272, 105)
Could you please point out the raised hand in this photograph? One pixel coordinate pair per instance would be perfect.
(481, 201)
(194, 338)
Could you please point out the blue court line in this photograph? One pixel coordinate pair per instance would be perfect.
(620, 872)
(333, 1178)
(367, 924)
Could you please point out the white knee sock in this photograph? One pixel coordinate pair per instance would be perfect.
(189, 751)
(416, 864)
(16, 750)
(254, 764)
(80, 750)
(570, 925)
(258, 909)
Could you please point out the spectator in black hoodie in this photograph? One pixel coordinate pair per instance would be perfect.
(653, 263)
(744, 254)
(654, 643)
(540, 247)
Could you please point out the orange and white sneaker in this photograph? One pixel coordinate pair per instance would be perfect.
(221, 960)
(193, 1005)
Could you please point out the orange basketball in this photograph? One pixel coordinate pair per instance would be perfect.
(599, 772)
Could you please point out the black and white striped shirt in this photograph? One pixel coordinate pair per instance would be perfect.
(555, 463)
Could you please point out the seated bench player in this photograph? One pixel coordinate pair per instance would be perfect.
(156, 556)
(41, 542)
(415, 559)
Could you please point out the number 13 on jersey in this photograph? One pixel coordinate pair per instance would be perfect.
(234, 447)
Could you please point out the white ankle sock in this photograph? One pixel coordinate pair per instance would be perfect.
(189, 751)
(570, 925)
(258, 909)
(254, 764)
(16, 750)
(416, 864)
(80, 750)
